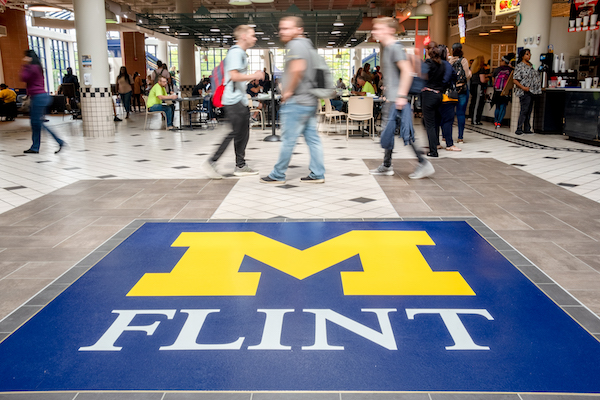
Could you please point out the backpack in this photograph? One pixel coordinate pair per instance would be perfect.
(323, 86)
(501, 80)
(461, 76)
(217, 81)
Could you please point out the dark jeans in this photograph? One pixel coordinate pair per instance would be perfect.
(431, 102)
(168, 110)
(137, 99)
(525, 115)
(477, 100)
(126, 99)
(500, 112)
(461, 109)
(37, 111)
(447, 119)
(239, 116)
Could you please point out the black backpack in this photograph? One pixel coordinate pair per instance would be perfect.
(461, 76)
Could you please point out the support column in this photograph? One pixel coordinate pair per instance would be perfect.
(96, 98)
(134, 52)
(535, 20)
(13, 46)
(187, 61)
(438, 22)
(162, 51)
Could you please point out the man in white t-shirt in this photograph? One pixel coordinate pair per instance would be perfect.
(235, 103)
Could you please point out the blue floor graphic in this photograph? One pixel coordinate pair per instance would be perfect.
(308, 306)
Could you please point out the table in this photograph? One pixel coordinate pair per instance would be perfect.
(265, 98)
(179, 101)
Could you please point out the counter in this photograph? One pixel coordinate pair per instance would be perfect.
(549, 111)
(582, 114)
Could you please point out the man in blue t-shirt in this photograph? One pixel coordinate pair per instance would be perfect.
(235, 103)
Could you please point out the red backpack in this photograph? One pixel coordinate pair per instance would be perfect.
(217, 82)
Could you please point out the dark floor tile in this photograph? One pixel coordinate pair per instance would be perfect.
(120, 396)
(558, 294)
(385, 396)
(534, 274)
(515, 257)
(295, 396)
(473, 396)
(587, 319)
(72, 275)
(207, 396)
(545, 396)
(18, 318)
(37, 396)
(47, 295)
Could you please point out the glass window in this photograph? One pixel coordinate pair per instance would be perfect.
(37, 44)
(339, 62)
(255, 60)
(60, 60)
(209, 59)
(151, 48)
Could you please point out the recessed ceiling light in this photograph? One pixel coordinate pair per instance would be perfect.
(495, 30)
(227, 36)
(265, 38)
(184, 33)
(353, 39)
(336, 32)
(215, 29)
(44, 8)
(330, 42)
(271, 43)
(484, 33)
(163, 26)
(259, 33)
(508, 27)
(251, 23)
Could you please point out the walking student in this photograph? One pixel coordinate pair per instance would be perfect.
(235, 102)
(299, 112)
(398, 74)
(33, 76)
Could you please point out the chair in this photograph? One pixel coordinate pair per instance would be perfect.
(68, 89)
(149, 112)
(360, 109)
(331, 113)
(253, 110)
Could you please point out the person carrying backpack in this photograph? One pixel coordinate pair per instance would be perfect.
(463, 74)
(501, 75)
(235, 103)
(299, 112)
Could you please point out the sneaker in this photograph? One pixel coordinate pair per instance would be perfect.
(117, 119)
(383, 170)
(423, 170)
(210, 168)
(309, 179)
(518, 132)
(244, 171)
(268, 179)
(29, 151)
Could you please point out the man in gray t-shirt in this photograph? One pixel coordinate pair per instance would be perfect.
(300, 48)
(299, 111)
(235, 103)
(398, 76)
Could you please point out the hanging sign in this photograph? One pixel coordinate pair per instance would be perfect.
(504, 7)
(462, 26)
(583, 15)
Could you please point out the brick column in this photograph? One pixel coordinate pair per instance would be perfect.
(13, 46)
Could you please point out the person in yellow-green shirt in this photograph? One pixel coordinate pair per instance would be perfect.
(157, 94)
(365, 85)
(8, 103)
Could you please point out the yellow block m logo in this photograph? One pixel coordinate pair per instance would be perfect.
(392, 265)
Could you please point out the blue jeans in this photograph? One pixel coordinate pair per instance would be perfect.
(126, 98)
(461, 109)
(337, 104)
(299, 120)
(500, 111)
(168, 110)
(396, 120)
(37, 111)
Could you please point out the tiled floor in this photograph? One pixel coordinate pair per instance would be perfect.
(56, 209)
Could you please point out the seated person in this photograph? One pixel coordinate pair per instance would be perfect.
(340, 84)
(157, 94)
(337, 104)
(253, 90)
(366, 86)
(8, 103)
(70, 78)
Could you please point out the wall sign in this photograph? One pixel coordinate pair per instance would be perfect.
(504, 7)
(583, 15)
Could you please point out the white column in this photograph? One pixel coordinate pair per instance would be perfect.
(187, 61)
(49, 64)
(162, 51)
(536, 17)
(96, 99)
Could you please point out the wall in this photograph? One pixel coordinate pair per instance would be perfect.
(565, 42)
(482, 45)
(134, 52)
(13, 46)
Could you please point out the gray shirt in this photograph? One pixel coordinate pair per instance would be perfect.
(300, 49)
(236, 59)
(391, 55)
